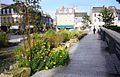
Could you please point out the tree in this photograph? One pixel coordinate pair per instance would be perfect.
(35, 20)
(118, 1)
(86, 21)
(107, 16)
(25, 8)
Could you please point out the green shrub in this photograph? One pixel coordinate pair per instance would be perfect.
(67, 35)
(3, 39)
(37, 36)
(46, 52)
(115, 28)
(39, 54)
(55, 40)
(50, 33)
(80, 34)
(58, 56)
(42, 57)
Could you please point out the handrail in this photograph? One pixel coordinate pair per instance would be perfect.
(112, 39)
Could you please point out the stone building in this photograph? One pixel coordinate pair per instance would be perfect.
(9, 16)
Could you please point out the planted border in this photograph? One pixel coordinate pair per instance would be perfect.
(47, 50)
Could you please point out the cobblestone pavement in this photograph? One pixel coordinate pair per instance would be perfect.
(88, 59)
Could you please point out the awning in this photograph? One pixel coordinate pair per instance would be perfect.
(17, 27)
(14, 27)
(66, 27)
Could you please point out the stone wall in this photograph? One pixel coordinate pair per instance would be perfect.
(112, 39)
(19, 72)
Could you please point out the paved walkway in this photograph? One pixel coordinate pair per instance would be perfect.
(88, 59)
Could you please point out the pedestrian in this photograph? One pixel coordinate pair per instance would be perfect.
(94, 30)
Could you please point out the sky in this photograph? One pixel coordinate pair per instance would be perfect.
(50, 6)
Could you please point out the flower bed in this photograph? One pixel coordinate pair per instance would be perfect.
(46, 51)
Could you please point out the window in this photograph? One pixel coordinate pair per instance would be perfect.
(3, 11)
(95, 15)
(10, 11)
(17, 22)
(12, 19)
(8, 19)
(16, 19)
(0, 11)
(95, 20)
(7, 11)
(1, 19)
(100, 20)
(4, 20)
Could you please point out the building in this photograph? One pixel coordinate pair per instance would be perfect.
(68, 18)
(97, 20)
(9, 16)
(47, 20)
(78, 19)
(65, 18)
(116, 14)
(2, 6)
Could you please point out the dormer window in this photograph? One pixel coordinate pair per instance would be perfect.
(3, 11)
(10, 11)
(7, 11)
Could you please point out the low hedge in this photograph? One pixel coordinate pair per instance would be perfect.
(115, 28)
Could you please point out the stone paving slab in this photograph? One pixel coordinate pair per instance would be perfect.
(88, 59)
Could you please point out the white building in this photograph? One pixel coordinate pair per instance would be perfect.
(79, 18)
(97, 20)
(116, 13)
(68, 18)
(65, 18)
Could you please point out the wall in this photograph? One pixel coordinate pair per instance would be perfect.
(19, 72)
(112, 39)
(65, 19)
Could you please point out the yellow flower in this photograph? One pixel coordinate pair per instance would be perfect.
(54, 62)
(46, 67)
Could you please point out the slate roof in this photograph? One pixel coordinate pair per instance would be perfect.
(96, 9)
(81, 14)
(4, 5)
